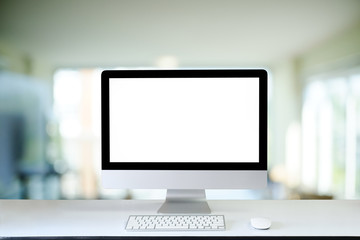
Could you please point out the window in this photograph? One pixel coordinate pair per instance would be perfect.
(331, 136)
(77, 109)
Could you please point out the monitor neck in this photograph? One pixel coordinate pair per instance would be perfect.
(185, 201)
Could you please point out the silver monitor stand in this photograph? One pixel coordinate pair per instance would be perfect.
(185, 201)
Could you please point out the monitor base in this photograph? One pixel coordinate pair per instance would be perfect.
(190, 201)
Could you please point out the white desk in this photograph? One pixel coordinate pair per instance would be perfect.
(108, 217)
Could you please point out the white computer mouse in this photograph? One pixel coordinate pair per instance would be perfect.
(260, 223)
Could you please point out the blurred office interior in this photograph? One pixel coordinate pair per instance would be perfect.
(52, 54)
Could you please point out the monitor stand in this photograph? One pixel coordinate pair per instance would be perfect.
(191, 201)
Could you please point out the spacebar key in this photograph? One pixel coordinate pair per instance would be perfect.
(172, 227)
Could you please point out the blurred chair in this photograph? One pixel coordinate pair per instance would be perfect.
(11, 150)
(24, 105)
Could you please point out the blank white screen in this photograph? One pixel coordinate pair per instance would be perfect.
(184, 120)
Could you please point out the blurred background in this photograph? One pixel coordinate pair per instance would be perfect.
(52, 54)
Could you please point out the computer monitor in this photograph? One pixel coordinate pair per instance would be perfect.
(184, 131)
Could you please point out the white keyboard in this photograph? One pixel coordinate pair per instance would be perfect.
(175, 223)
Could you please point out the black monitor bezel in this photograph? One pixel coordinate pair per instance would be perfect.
(213, 73)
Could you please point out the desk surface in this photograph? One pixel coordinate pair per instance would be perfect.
(108, 217)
